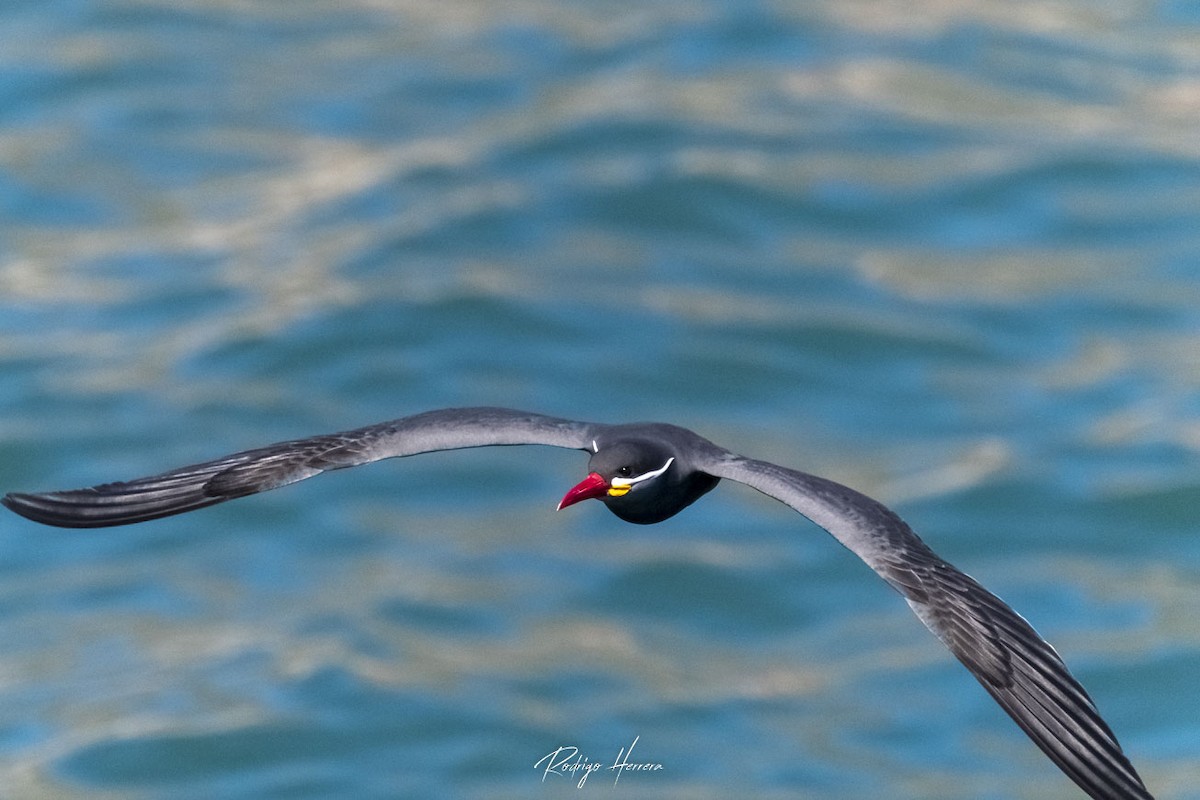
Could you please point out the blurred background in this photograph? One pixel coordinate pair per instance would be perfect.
(946, 253)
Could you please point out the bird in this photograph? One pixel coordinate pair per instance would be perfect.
(648, 472)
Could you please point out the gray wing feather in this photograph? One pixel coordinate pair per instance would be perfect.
(276, 465)
(1020, 670)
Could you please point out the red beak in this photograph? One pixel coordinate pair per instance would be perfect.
(591, 486)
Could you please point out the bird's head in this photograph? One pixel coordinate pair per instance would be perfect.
(640, 480)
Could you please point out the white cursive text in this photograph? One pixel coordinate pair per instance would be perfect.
(568, 760)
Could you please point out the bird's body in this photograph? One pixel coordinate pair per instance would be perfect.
(648, 472)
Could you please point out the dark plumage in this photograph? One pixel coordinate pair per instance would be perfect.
(646, 473)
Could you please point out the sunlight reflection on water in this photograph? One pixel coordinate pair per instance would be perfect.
(940, 252)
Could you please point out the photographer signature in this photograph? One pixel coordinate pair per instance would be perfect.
(569, 761)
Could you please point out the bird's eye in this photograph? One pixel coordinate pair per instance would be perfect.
(625, 472)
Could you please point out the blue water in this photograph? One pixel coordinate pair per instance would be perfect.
(946, 253)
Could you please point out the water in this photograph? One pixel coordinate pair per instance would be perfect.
(946, 253)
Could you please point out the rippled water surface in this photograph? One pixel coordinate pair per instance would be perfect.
(948, 253)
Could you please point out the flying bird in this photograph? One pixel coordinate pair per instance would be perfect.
(645, 473)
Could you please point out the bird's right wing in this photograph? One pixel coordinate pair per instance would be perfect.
(1020, 670)
(276, 465)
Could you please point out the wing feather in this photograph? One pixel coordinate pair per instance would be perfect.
(1020, 670)
(264, 468)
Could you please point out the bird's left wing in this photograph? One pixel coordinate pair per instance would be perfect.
(276, 465)
(1021, 671)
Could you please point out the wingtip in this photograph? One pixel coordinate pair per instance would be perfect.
(24, 505)
(35, 507)
(15, 502)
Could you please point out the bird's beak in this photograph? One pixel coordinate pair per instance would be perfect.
(592, 486)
